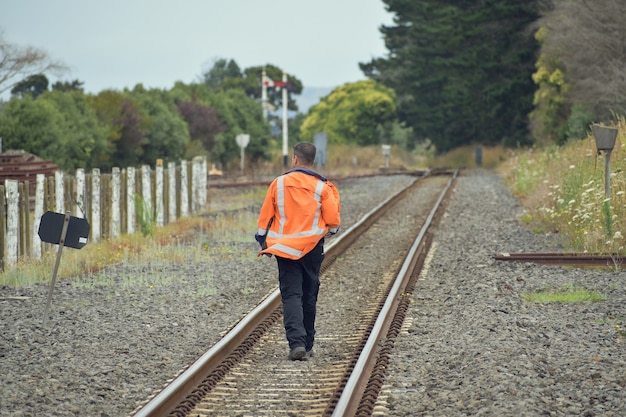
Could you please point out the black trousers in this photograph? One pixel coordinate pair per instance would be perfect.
(299, 286)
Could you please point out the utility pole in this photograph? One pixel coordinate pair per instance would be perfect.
(285, 145)
(264, 82)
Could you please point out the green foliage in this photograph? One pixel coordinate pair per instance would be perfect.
(549, 116)
(31, 125)
(357, 113)
(146, 219)
(167, 133)
(34, 85)
(241, 115)
(578, 122)
(81, 135)
(75, 85)
(567, 193)
(203, 122)
(232, 112)
(226, 75)
(58, 126)
(461, 71)
(126, 127)
(569, 294)
(138, 126)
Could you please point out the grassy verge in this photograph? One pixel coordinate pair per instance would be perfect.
(187, 241)
(563, 190)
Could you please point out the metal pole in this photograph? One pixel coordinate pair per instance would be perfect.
(285, 145)
(66, 222)
(242, 156)
(264, 94)
(607, 174)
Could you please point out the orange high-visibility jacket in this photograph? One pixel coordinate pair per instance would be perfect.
(300, 208)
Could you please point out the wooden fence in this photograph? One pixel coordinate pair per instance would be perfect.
(122, 202)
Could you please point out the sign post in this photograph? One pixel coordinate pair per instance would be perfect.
(242, 141)
(387, 154)
(62, 230)
(605, 141)
(320, 140)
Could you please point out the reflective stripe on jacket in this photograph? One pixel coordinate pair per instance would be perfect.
(300, 208)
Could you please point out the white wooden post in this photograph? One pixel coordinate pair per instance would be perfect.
(130, 200)
(195, 184)
(13, 215)
(204, 182)
(146, 192)
(80, 193)
(158, 193)
(95, 205)
(59, 192)
(184, 190)
(171, 171)
(39, 193)
(115, 202)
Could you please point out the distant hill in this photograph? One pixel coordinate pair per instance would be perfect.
(311, 96)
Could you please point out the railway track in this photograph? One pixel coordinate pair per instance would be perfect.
(367, 272)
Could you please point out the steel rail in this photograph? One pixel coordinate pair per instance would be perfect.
(355, 386)
(564, 258)
(176, 392)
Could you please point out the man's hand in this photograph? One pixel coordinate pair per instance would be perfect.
(332, 231)
(261, 239)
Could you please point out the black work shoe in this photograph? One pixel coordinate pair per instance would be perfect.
(297, 354)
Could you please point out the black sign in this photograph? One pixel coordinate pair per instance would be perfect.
(51, 227)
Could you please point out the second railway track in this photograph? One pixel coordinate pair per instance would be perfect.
(352, 293)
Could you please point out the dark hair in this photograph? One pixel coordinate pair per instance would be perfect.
(305, 151)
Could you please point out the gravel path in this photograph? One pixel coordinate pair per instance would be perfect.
(471, 346)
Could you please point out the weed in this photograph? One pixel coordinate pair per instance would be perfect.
(568, 294)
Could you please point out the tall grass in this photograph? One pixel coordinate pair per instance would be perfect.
(187, 241)
(563, 190)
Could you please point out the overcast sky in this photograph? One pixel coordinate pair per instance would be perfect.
(119, 43)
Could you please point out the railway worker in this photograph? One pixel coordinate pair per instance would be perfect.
(301, 208)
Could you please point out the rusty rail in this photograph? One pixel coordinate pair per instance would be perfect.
(563, 258)
(362, 387)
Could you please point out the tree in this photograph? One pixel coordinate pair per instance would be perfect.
(126, 127)
(352, 113)
(35, 85)
(589, 39)
(75, 85)
(82, 137)
(202, 121)
(33, 126)
(222, 75)
(167, 133)
(461, 70)
(17, 63)
(59, 126)
(226, 75)
(226, 114)
(274, 95)
(241, 114)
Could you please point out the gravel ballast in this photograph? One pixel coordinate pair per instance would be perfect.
(472, 346)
